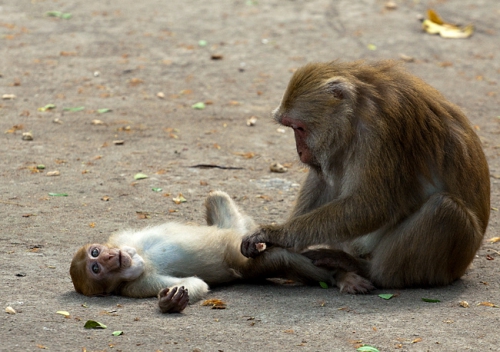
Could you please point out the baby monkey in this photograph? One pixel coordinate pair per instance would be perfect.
(178, 262)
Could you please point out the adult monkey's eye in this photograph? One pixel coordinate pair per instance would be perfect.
(95, 268)
(94, 252)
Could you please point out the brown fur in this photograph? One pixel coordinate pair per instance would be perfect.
(397, 173)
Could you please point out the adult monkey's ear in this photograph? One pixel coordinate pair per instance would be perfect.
(339, 87)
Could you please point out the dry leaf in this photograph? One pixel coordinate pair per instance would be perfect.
(464, 304)
(14, 128)
(494, 239)
(406, 58)
(97, 122)
(8, 96)
(446, 64)
(10, 310)
(214, 303)
(135, 82)
(105, 198)
(27, 136)
(252, 121)
(418, 339)
(160, 95)
(434, 17)
(435, 25)
(119, 142)
(53, 173)
(487, 304)
(92, 224)
(264, 197)
(179, 199)
(277, 167)
(142, 215)
(248, 155)
(391, 5)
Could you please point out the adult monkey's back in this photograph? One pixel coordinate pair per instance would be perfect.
(397, 175)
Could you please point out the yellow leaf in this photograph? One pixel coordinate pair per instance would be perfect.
(435, 25)
(63, 312)
(456, 32)
(214, 303)
(434, 17)
(248, 155)
(431, 27)
(494, 239)
(179, 199)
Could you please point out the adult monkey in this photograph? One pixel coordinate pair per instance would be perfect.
(177, 262)
(397, 176)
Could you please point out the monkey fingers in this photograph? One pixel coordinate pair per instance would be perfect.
(254, 244)
(173, 300)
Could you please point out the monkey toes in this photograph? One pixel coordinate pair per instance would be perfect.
(353, 283)
(173, 300)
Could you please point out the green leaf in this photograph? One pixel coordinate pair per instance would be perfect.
(156, 189)
(47, 107)
(103, 111)
(386, 295)
(323, 284)
(58, 194)
(367, 348)
(92, 324)
(58, 14)
(40, 167)
(140, 176)
(430, 300)
(202, 43)
(372, 47)
(78, 108)
(199, 106)
(117, 333)
(53, 13)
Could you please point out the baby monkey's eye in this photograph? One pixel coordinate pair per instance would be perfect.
(94, 252)
(95, 268)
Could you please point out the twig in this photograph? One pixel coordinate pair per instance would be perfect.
(208, 166)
